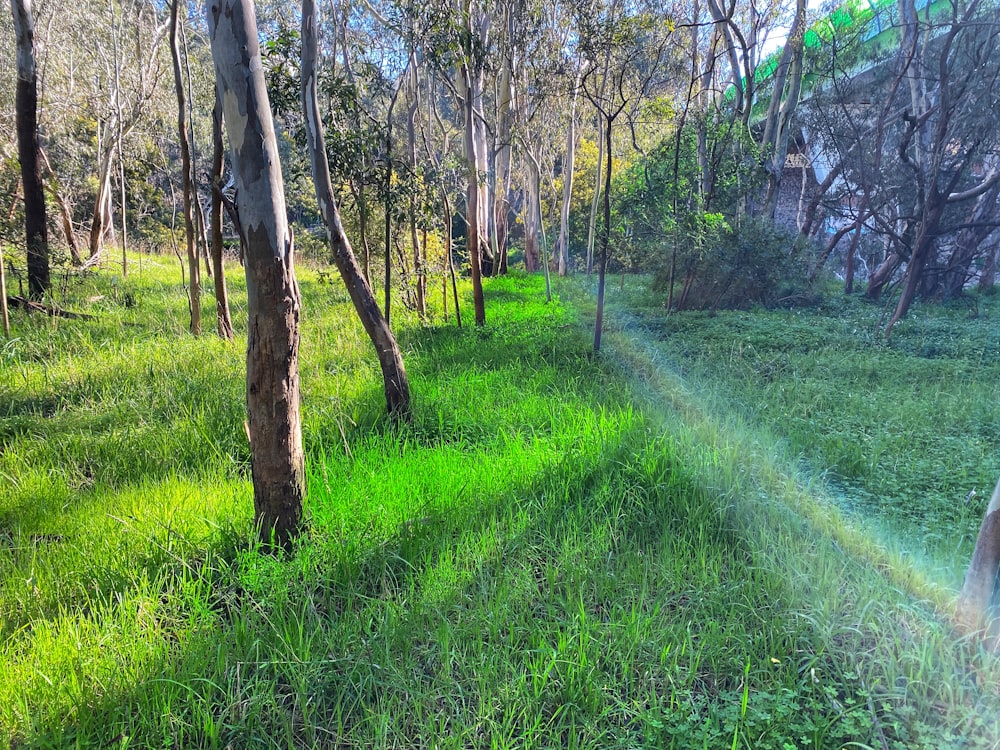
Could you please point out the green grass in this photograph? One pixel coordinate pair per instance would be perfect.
(560, 551)
(902, 430)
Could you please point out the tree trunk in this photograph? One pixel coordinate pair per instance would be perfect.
(419, 264)
(987, 278)
(596, 202)
(223, 317)
(882, 275)
(503, 163)
(531, 216)
(473, 226)
(923, 252)
(777, 125)
(448, 253)
(187, 181)
(101, 219)
(397, 391)
(26, 108)
(605, 237)
(488, 261)
(4, 314)
(981, 576)
(967, 244)
(562, 247)
(273, 299)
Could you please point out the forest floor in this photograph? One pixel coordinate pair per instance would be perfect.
(562, 550)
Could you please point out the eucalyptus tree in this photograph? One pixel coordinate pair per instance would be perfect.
(273, 299)
(396, 387)
(949, 70)
(187, 175)
(625, 48)
(36, 230)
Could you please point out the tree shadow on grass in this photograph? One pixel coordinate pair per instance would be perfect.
(535, 613)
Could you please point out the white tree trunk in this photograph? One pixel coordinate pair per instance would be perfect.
(273, 299)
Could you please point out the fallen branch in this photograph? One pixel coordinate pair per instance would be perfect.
(31, 306)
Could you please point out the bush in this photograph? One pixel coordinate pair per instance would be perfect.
(754, 264)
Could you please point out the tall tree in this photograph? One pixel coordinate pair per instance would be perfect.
(223, 317)
(396, 386)
(26, 107)
(784, 100)
(625, 49)
(187, 177)
(273, 299)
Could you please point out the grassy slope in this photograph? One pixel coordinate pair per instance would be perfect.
(902, 430)
(549, 557)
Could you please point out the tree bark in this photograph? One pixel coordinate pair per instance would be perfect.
(187, 180)
(396, 386)
(473, 237)
(101, 218)
(562, 247)
(4, 314)
(273, 299)
(987, 278)
(26, 108)
(505, 118)
(596, 201)
(981, 576)
(419, 261)
(967, 244)
(531, 215)
(776, 128)
(224, 319)
(605, 236)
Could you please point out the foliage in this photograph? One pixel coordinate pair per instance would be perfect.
(701, 241)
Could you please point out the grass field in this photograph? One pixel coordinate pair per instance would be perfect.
(901, 430)
(560, 551)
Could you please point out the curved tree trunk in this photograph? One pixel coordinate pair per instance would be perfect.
(273, 299)
(26, 107)
(980, 578)
(396, 386)
(882, 276)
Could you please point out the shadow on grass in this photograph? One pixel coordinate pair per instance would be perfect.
(419, 635)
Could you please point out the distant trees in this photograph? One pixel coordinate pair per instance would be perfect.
(912, 150)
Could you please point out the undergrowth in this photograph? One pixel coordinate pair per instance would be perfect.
(556, 553)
